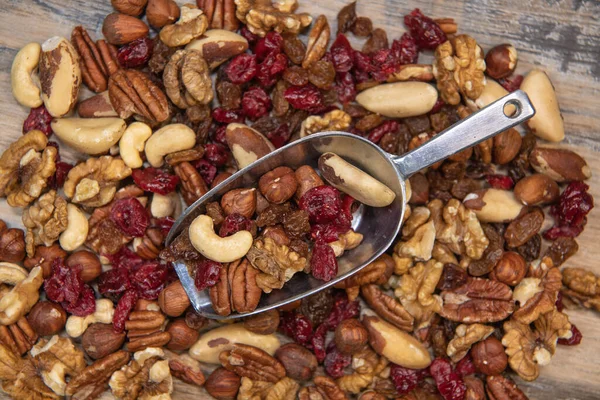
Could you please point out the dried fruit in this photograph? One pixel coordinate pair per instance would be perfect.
(135, 54)
(427, 33)
(448, 382)
(242, 69)
(38, 119)
(305, 97)
(570, 213)
(256, 103)
(155, 180)
(130, 216)
(323, 264)
(322, 203)
(207, 274)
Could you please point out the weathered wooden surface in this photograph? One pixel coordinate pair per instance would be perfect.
(560, 36)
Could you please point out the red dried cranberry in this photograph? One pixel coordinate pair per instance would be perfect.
(384, 63)
(377, 133)
(575, 338)
(135, 54)
(39, 118)
(562, 231)
(449, 383)
(497, 181)
(207, 274)
(570, 212)
(113, 282)
(216, 153)
(226, 116)
(123, 308)
(248, 35)
(405, 50)
(342, 54)
(242, 69)
(335, 361)
(323, 264)
(405, 379)
(345, 87)
(306, 97)
(297, 326)
(219, 135)
(148, 279)
(64, 284)
(437, 107)
(164, 224)
(155, 180)
(322, 203)
(271, 43)
(130, 216)
(85, 304)
(270, 69)
(362, 62)
(427, 33)
(280, 136)
(234, 223)
(256, 103)
(207, 170)
(125, 258)
(342, 309)
(511, 83)
(559, 302)
(326, 232)
(465, 366)
(317, 342)
(60, 175)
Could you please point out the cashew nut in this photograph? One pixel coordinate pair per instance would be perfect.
(76, 326)
(19, 300)
(168, 139)
(165, 206)
(212, 246)
(77, 229)
(24, 89)
(355, 182)
(132, 143)
(11, 274)
(213, 342)
(89, 135)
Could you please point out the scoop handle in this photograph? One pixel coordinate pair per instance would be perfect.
(474, 129)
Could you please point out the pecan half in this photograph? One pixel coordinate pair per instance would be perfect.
(220, 14)
(318, 38)
(236, 289)
(93, 380)
(98, 61)
(499, 387)
(387, 307)
(19, 337)
(329, 389)
(132, 93)
(192, 184)
(156, 339)
(149, 246)
(252, 362)
(581, 287)
(478, 300)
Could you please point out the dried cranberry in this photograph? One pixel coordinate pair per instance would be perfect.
(148, 279)
(342, 309)
(256, 103)
(130, 216)
(405, 50)
(65, 286)
(345, 87)
(125, 258)
(384, 63)
(465, 366)
(326, 232)
(135, 54)
(39, 118)
(562, 231)
(219, 135)
(362, 62)
(113, 282)
(323, 263)
(271, 43)
(242, 69)
(155, 180)
(342, 54)
(437, 107)
(123, 308)
(207, 170)
(216, 153)
(376, 134)
(271, 68)
(322, 203)
(405, 379)
(449, 383)
(559, 301)
(226, 116)
(317, 342)
(452, 277)
(207, 274)
(306, 97)
(297, 326)
(345, 217)
(60, 175)
(164, 224)
(575, 338)
(85, 304)
(248, 35)
(570, 212)
(280, 136)
(335, 362)
(234, 223)
(511, 83)
(426, 32)
(497, 181)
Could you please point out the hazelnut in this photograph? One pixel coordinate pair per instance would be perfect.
(222, 384)
(12, 245)
(239, 201)
(489, 357)
(350, 336)
(44, 257)
(277, 234)
(506, 146)
(264, 323)
(299, 362)
(278, 185)
(290, 306)
(221, 176)
(162, 12)
(182, 336)
(100, 340)
(173, 300)
(119, 29)
(511, 269)
(537, 189)
(47, 318)
(501, 61)
(88, 263)
(129, 7)
(307, 179)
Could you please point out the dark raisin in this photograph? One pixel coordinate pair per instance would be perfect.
(294, 48)
(296, 76)
(346, 17)
(377, 41)
(362, 27)
(417, 125)
(317, 307)
(229, 95)
(322, 74)
(531, 249)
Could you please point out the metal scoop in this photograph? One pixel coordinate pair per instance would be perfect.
(379, 226)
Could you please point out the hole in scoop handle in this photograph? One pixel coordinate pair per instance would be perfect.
(476, 128)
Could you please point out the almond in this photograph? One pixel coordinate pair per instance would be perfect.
(119, 29)
(536, 189)
(218, 46)
(562, 165)
(246, 144)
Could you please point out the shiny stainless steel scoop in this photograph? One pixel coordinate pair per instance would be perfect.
(379, 226)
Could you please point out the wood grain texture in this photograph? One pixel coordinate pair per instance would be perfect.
(560, 36)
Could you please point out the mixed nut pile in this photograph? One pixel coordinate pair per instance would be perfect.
(473, 288)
